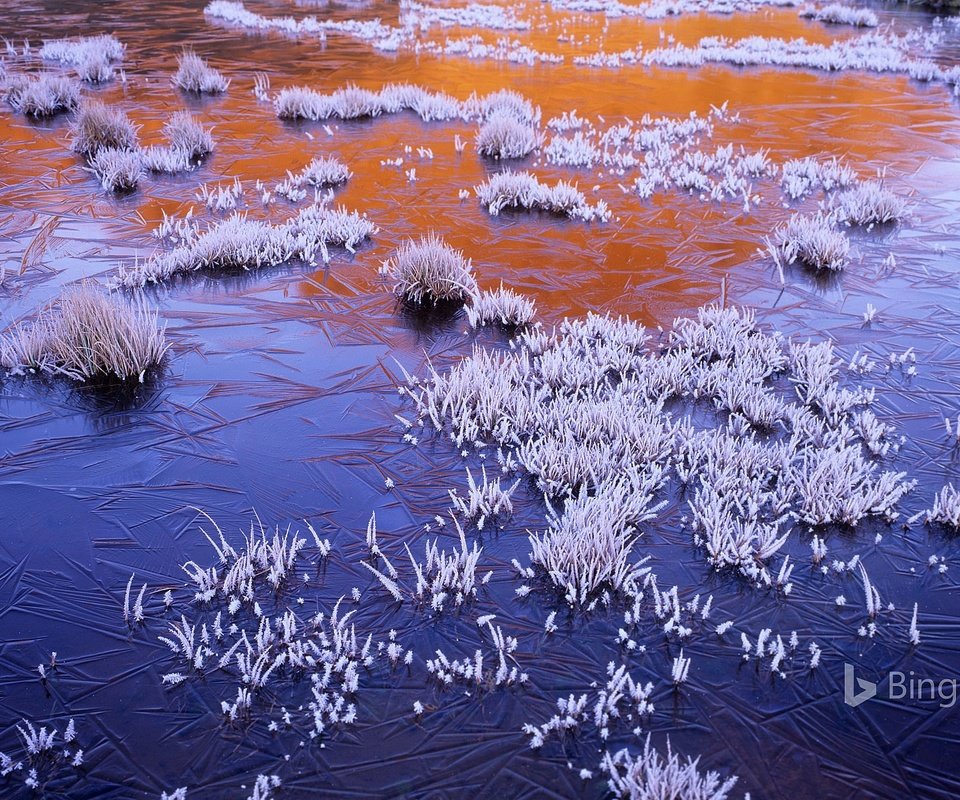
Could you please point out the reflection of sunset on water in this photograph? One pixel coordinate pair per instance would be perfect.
(648, 254)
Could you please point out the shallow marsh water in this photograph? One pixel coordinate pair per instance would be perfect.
(281, 393)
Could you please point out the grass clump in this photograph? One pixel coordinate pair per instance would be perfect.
(76, 51)
(241, 244)
(325, 171)
(163, 158)
(505, 102)
(299, 102)
(188, 141)
(430, 271)
(98, 126)
(870, 203)
(196, 75)
(811, 240)
(188, 136)
(650, 776)
(117, 170)
(95, 68)
(322, 172)
(523, 190)
(502, 136)
(503, 307)
(837, 14)
(235, 244)
(44, 95)
(87, 336)
(946, 508)
(91, 56)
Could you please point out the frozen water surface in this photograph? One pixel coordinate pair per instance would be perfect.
(280, 394)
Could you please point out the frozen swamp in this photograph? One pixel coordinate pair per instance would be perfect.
(557, 399)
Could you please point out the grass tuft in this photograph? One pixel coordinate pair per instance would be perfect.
(98, 126)
(117, 170)
(44, 95)
(503, 136)
(430, 271)
(812, 240)
(195, 75)
(87, 336)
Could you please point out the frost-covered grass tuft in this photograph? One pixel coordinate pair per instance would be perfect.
(502, 136)
(505, 102)
(588, 547)
(44, 95)
(322, 172)
(501, 307)
(946, 508)
(76, 51)
(583, 410)
(117, 170)
(98, 125)
(800, 176)
(523, 190)
(163, 158)
(299, 102)
(95, 68)
(91, 56)
(87, 336)
(318, 226)
(430, 271)
(352, 102)
(188, 136)
(650, 776)
(812, 240)
(841, 15)
(325, 171)
(195, 75)
(870, 203)
(234, 244)
(187, 140)
(238, 243)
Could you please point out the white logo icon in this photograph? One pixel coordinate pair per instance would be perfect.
(850, 696)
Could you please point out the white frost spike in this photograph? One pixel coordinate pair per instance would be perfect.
(871, 593)
(126, 599)
(681, 666)
(372, 534)
(388, 584)
(138, 605)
